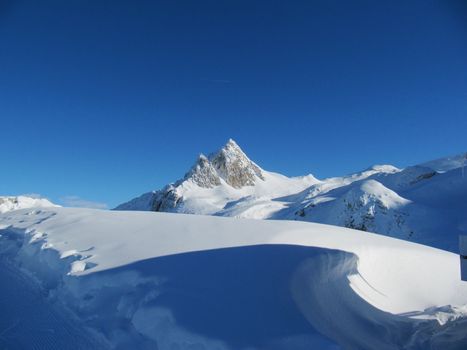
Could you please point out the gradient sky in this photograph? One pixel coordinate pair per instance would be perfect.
(103, 100)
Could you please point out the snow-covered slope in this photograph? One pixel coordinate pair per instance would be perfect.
(366, 205)
(155, 280)
(447, 163)
(424, 203)
(8, 203)
(417, 204)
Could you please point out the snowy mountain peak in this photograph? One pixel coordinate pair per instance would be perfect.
(9, 203)
(384, 168)
(234, 167)
(203, 173)
(372, 191)
(231, 147)
(231, 143)
(226, 171)
(202, 158)
(229, 164)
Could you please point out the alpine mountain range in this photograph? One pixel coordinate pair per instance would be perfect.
(417, 203)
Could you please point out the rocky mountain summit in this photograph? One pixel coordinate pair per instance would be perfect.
(203, 173)
(229, 164)
(234, 167)
(229, 167)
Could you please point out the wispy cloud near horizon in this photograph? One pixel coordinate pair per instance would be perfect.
(78, 202)
(221, 81)
(33, 195)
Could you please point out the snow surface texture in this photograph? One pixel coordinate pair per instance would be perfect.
(8, 203)
(424, 203)
(163, 281)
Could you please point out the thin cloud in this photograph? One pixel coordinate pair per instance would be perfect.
(78, 202)
(219, 81)
(33, 195)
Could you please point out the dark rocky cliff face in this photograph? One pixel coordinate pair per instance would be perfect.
(166, 199)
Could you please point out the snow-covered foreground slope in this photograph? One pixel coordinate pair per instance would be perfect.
(424, 203)
(166, 281)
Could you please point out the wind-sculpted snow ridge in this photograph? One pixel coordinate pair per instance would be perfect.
(170, 281)
(9, 203)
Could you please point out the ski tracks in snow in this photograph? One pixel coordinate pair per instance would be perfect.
(28, 320)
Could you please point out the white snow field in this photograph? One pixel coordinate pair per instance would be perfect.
(141, 280)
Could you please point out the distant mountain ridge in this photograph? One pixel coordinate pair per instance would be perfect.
(9, 203)
(425, 203)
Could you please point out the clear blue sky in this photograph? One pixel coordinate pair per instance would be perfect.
(104, 100)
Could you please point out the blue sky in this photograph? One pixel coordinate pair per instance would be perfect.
(103, 100)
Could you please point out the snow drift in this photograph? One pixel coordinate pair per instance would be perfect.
(166, 281)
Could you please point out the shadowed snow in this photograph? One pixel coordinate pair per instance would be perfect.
(202, 282)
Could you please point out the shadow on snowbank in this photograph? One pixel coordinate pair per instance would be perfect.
(255, 297)
(232, 298)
